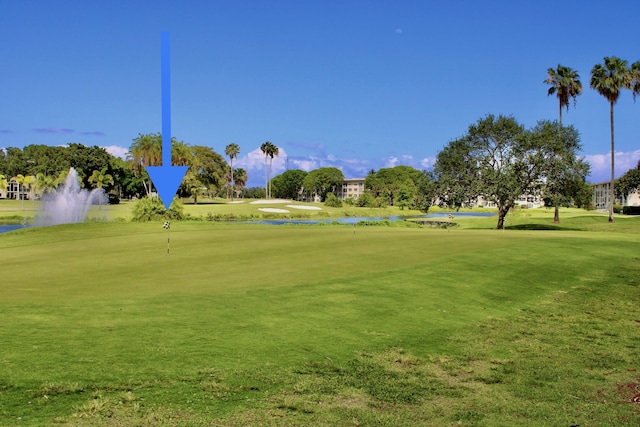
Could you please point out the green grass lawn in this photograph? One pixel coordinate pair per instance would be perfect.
(322, 325)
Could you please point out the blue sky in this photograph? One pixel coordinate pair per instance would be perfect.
(358, 85)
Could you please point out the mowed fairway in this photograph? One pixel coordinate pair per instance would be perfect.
(244, 323)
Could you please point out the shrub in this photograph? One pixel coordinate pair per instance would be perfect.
(617, 207)
(350, 201)
(380, 202)
(332, 201)
(365, 200)
(152, 209)
(631, 210)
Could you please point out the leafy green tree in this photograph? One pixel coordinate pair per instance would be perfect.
(232, 150)
(426, 192)
(193, 186)
(507, 161)
(289, 184)
(209, 168)
(332, 201)
(608, 80)
(126, 183)
(456, 175)
(565, 84)
(45, 159)
(13, 162)
(564, 173)
(405, 195)
(254, 193)
(390, 180)
(323, 180)
(366, 200)
(270, 151)
(628, 182)
(87, 159)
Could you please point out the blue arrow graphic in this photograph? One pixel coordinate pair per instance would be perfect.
(166, 178)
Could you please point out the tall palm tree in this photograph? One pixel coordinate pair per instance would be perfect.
(146, 150)
(608, 80)
(565, 83)
(232, 151)
(635, 79)
(270, 151)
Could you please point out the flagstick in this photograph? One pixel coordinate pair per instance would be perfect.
(167, 226)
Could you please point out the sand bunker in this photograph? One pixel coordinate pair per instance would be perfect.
(309, 208)
(275, 210)
(269, 201)
(236, 201)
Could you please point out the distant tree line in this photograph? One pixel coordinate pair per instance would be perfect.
(497, 159)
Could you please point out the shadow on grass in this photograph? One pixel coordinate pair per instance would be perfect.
(540, 227)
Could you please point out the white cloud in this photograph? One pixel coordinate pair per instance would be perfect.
(391, 162)
(601, 164)
(305, 165)
(427, 162)
(253, 163)
(117, 151)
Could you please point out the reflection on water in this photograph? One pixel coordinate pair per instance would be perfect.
(355, 220)
(350, 220)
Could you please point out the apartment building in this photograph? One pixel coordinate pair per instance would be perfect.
(602, 196)
(351, 187)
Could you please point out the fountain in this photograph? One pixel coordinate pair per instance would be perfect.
(69, 202)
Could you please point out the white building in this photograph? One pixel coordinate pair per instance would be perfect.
(351, 187)
(602, 196)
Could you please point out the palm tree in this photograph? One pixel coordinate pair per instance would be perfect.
(565, 83)
(608, 80)
(232, 151)
(146, 150)
(635, 79)
(43, 184)
(24, 182)
(99, 179)
(240, 181)
(4, 184)
(61, 178)
(270, 151)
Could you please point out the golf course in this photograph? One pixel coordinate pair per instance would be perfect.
(215, 323)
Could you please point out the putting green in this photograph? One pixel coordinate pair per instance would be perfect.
(102, 304)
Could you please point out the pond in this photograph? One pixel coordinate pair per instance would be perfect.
(10, 227)
(348, 220)
(355, 220)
